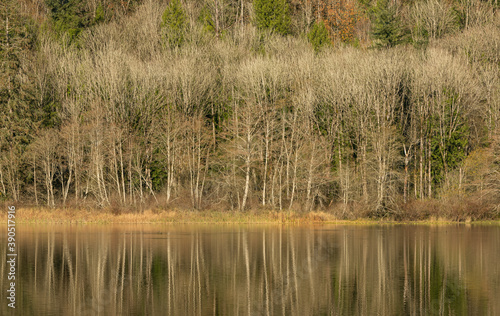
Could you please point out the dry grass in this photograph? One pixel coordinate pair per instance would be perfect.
(459, 210)
(115, 215)
(412, 212)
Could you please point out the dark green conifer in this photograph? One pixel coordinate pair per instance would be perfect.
(17, 38)
(386, 28)
(68, 17)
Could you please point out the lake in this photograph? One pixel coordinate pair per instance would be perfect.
(255, 270)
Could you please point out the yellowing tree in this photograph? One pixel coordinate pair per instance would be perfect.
(341, 17)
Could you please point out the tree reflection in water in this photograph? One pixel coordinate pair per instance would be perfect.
(253, 270)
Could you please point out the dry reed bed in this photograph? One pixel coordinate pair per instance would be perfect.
(33, 215)
(47, 215)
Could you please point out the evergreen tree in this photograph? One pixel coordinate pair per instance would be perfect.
(68, 16)
(318, 36)
(206, 19)
(174, 24)
(17, 40)
(386, 28)
(71, 17)
(450, 138)
(273, 15)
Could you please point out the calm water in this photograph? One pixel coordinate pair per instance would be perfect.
(255, 270)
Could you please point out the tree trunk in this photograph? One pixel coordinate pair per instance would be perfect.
(429, 153)
(421, 167)
(122, 172)
(266, 160)
(247, 169)
(309, 177)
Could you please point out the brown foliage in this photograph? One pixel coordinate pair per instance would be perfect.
(343, 18)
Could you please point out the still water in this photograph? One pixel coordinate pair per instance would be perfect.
(255, 270)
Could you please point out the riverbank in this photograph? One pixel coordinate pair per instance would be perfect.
(155, 216)
(106, 216)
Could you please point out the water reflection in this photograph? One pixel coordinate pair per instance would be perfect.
(249, 270)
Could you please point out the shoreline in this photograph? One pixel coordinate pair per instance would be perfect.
(151, 216)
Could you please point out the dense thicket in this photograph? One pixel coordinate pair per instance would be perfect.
(163, 105)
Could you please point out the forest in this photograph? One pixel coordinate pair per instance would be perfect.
(361, 108)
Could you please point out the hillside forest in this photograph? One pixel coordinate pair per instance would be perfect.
(362, 108)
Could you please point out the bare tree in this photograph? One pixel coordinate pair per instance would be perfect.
(45, 150)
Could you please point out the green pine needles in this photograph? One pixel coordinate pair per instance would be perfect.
(174, 24)
(386, 28)
(318, 36)
(69, 17)
(272, 15)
